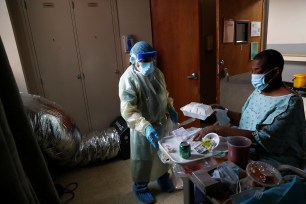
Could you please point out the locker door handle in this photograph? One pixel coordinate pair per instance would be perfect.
(193, 76)
(81, 76)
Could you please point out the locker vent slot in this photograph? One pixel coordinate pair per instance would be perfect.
(48, 5)
(93, 4)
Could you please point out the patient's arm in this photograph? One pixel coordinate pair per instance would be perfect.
(234, 116)
(224, 131)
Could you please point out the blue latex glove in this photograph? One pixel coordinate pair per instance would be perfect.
(173, 115)
(152, 136)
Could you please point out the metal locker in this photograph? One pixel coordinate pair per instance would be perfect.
(77, 55)
(96, 38)
(54, 42)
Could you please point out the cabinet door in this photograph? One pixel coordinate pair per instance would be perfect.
(56, 54)
(95, 31)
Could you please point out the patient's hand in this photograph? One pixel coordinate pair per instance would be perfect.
(204, 132)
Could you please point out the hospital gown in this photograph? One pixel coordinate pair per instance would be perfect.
(278, 125)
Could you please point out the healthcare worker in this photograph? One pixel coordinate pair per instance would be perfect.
(145, 104)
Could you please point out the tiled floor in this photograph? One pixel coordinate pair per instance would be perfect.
(110, 183)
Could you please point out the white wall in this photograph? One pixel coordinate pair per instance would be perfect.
(287, 20)
(134, 19)
(8, 38)
(287, 34)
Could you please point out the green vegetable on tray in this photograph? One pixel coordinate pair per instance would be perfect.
(208, 144)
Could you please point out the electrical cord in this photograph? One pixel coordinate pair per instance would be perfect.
(69, 189)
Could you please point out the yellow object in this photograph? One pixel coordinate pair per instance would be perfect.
(299, 81)
(207, 144)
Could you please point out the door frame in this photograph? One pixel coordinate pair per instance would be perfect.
(265, 11)
(217, 52)
(17, 12)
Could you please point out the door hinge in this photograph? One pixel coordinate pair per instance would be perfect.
(72, 4)
(25, 5)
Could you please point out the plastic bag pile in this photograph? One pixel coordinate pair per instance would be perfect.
(60, 139)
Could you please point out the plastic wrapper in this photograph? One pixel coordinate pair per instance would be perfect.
(60, 139)
(223, 118)
(227, 176)
(98, 146)
(57, 134)
(176, 178)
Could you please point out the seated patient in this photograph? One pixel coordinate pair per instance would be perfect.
(272, 116)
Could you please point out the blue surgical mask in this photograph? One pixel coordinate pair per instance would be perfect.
(146, 68)
(258, 81)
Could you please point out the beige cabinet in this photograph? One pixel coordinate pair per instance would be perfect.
(77, 54)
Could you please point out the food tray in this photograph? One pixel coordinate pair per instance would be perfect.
(174, 142)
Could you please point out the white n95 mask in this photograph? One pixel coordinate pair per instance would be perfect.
(146, 68)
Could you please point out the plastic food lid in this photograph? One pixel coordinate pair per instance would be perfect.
(263, 173)
(197, 110)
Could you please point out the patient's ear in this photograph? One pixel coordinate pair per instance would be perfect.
(278, 70)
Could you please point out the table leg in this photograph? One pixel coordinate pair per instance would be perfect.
(188, 190)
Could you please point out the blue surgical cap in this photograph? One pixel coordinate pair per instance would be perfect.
(140, 47)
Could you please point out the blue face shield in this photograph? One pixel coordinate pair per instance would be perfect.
(146, 68)
(258, 81)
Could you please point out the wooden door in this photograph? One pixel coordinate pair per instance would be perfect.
(175, 28)
(56, 56)
(188, 38)
(236, 57)
(95, 28)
